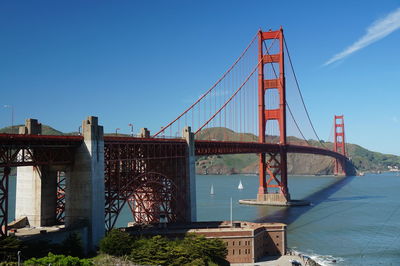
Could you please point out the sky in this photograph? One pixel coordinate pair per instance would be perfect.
(143, 62)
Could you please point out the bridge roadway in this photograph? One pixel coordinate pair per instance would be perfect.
(58, 150)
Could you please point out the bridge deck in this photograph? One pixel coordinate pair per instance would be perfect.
(203, 147)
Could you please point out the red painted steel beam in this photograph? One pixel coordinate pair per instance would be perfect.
(4, 187)
(339, 144)
(278, 114)
(131, 164)
(22, 137)
(205, 147)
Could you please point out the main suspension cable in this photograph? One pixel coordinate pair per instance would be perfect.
(230, 99)
(209, 90)
(301, 95)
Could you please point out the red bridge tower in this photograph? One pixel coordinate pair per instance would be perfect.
(339, 144)
(272, 169)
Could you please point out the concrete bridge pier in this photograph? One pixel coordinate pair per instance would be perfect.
(84, 196)
(191, 174)
(36, 195)
(36, 187)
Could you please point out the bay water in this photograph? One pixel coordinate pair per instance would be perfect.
(352, 220)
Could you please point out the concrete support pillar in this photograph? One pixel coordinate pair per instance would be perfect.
(144, 133)
(32, 126)
(36, 187)
(191, 173)
(84, 197)
(36, 195)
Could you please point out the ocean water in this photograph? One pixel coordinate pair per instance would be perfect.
(353, 220)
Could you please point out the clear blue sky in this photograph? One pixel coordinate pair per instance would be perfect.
(141, 62)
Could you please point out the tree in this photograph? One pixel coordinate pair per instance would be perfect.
(52, 259)
(208, 249)
(155, 250)
(9, 246)
(116, 243)
(192, 250)
(72, 246)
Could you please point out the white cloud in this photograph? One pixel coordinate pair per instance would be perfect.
(376, 31)
(395, 119)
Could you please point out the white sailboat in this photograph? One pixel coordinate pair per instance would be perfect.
(240, 185)
(212, 190)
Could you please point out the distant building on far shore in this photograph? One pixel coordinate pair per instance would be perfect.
(393, 168)
(246, 242)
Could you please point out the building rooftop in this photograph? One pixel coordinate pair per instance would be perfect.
(213, 226)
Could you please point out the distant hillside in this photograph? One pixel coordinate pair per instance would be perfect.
(363, 159)
(46, 130)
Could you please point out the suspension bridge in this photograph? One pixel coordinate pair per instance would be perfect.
(91, 177)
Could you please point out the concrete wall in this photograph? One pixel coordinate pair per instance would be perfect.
(272, 198)
(84, 197)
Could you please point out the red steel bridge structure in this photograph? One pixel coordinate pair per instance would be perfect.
(249, 104)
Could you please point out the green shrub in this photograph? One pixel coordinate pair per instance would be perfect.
(9, 246)
(52, 259)
(72, 246)
(8, 263)
(192, 250)
(158, 250)
(207, 249)
(38, 249)
(155, 250)
(116, 243)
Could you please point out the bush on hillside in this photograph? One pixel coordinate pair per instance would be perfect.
(116, 243)
(192, 250)
(9, 247)
(211, 249)
(52, 259)
(71, 246)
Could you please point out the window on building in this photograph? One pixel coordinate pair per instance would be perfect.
(233, 243)
(233, 252)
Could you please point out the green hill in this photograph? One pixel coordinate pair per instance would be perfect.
(363, 159)
(46, 130)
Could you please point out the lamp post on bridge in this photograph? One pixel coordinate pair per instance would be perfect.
(12, 116)
(131, 125)
(116, 131)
